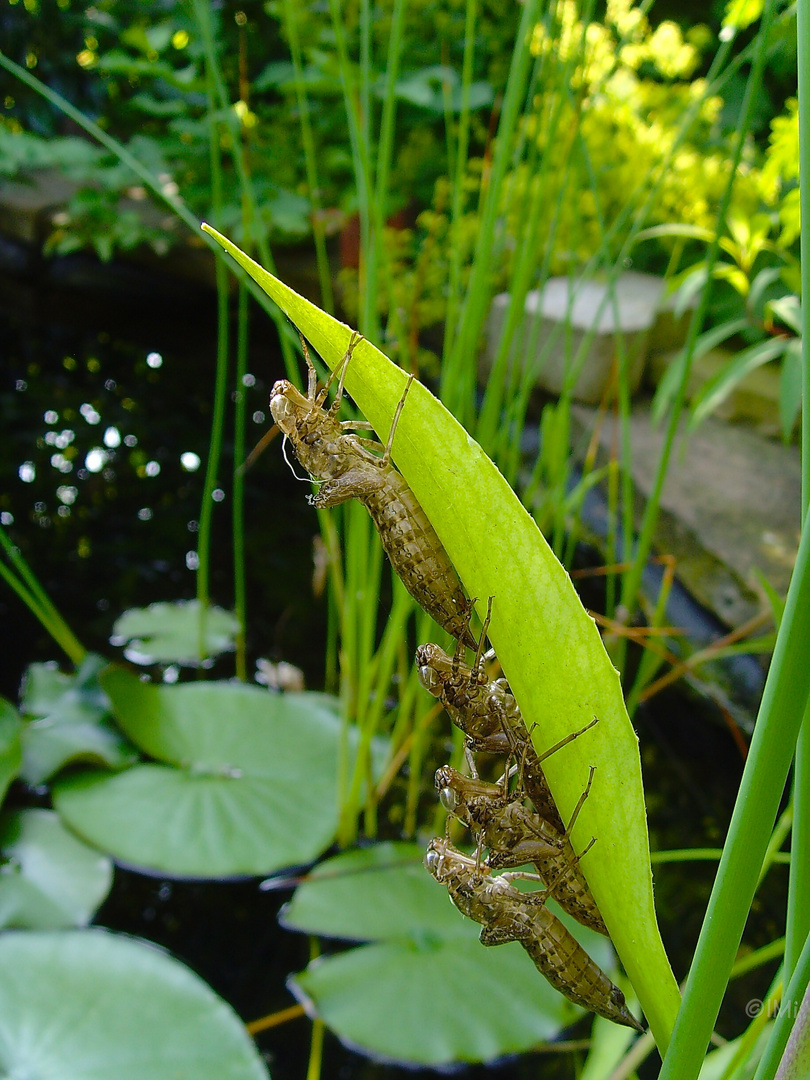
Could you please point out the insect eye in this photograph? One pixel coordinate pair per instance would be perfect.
(433, 861)
(282, 412)
(447, 797)
(430, 680)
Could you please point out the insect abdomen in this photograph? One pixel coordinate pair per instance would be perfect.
(417, 555)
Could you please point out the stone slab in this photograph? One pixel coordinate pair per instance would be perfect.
(563, 314)
(730, 506)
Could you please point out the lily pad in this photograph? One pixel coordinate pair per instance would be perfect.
(67, 719)
(89, 1005)
(425, 991)
(548, 645)
(170, 633)
(49, 879)
(10, 746)
(245, 781)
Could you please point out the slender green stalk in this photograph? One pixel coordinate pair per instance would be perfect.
(784, 700)
(385, 147)
(798, 912)
(315, 1063)
(28, 589)
(238, 509)
(221, 379)
(490, 429)
(363, 179)
(780, 1032)
(632, 580)
(457, 170)
(650, 663)
(384, 158)
(458, 370)
(774, 950)
(778, 836)
(310, 158)
(219, 96)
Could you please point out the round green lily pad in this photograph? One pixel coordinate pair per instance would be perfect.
(170, 633)
(244, 781)
(49, 879)
(67, 720)
(91, 1005)
(425, 991)
(10, 748)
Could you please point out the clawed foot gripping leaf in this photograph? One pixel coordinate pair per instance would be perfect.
(547, 644)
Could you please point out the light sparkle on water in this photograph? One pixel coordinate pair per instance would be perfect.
(96, 459)
(190, 461)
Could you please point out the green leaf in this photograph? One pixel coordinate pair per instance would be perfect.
(707, 341)
(370, 894)
(91, 1004)
(49, 879)
(452, 999)
(741, 13)
(247, 783)
(548, 646)
(790, 387)
(10, 745)
(715, 390)
(67, 720)
(787, 309)
(164, 632)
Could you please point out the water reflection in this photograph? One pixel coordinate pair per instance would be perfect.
(101, 402)
(95, 459)
(190, 461)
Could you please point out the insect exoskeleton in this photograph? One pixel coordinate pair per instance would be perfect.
(352, 467)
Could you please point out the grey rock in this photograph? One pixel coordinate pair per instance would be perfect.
(567, 318)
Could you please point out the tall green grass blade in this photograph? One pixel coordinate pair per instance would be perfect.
(457, 166)
(798, 912)
(459, 367)
(238, 509)
(221, 377)
(22, 580)
(548, 646)
(785, 698)
(310, 156)
(632, 580)
(793, 1009)
(362, 172)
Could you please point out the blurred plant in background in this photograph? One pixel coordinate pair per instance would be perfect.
(521, 141)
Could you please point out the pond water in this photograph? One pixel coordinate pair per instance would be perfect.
(106, 413)
(105, 410)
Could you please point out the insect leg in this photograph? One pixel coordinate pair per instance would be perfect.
(501, 934)
(361, 425)
(564, 742)
(312, 374)
(387, 455)
(461, 647)
(483, 637)
(470, 760)
(578, 807)
(354, 341)
(541, 896)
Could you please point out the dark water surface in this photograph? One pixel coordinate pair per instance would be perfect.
(103, 394)
(107, 384)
